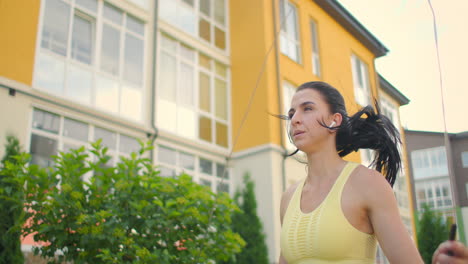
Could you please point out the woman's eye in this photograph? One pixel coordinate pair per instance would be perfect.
(307, 108)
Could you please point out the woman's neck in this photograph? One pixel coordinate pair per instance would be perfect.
(324, 165)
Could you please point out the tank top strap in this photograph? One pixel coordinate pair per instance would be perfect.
(343, 178)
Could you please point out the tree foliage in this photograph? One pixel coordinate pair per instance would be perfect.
(248, 225)
(127, 213)
(432, 231)
(11, 206)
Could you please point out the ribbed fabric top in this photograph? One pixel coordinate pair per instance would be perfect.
(324, 235)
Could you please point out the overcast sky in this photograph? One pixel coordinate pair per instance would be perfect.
(405, 27)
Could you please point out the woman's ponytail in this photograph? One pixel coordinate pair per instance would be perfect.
(368, 129)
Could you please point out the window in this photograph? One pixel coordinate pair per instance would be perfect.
(430, 162)
(192, 94)
(288, 92)
(105, 71)
(289, 39)
(204, 171)
(362, 92)
(52, 133)
(205, 19)
(434, 193)
(464, 157)
(315, 49)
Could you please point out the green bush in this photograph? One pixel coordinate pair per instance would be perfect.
(11, 207)
(124, 213)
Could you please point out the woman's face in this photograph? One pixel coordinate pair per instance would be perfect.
(308, 109)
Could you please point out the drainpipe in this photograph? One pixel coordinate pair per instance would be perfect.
(153, 81)
(280, 95)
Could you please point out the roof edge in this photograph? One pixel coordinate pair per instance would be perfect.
(394, 92)
(342, 16)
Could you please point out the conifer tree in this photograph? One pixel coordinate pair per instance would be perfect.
(432, 231)
(248, 225)
(11, 208)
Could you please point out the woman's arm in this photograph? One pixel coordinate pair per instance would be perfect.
(386, 221)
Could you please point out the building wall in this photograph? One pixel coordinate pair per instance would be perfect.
(18, 25)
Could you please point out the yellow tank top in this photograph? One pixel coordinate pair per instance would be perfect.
(324, 235)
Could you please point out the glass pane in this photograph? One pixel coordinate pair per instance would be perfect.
(186, 122)
(204, 30)
(220, 38)
(166, 155)
(221, 99)
(108, 138)
(222, 187)
(110, 49)
(206, 166)
(205, 7)
(204, 128)
(190, 2)
(221, 70)
(107, 94)
(79, 83)
(204, 61)
(291, 20)
(166, 172)
(206, 182)
(187, 161)
(75, 129)
(168, 11)
(187, 19)
(219, 12)
(135, 25)
(42, 148)
(168, 44)
(186, 85)
(46, 121)
(89, 4)
(204, 96)
(221, 171)
(128, 144)
(55, 26)
(131, 102)
(187, 53)
(221, 134)
(133, 65)
(50, 74)
(113, 14)
(82, 40)
(167, 77)
(166, 115)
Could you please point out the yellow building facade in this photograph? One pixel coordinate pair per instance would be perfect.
(201, 78)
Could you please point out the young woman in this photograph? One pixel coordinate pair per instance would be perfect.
(341, 209)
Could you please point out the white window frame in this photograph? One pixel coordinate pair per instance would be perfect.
(421, 171)
(288, 92)
(196, 107)
(361, 81)
(315, 49)
(287, 37)
(198, 16)
(94, 68)
(62, 139)
(197, 175)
